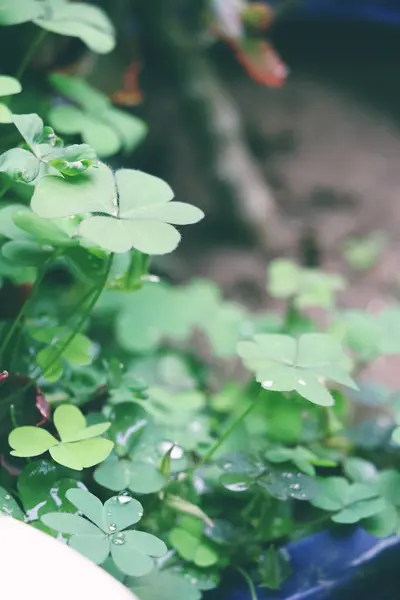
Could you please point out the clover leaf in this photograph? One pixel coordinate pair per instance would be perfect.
(363, 253)
(107, 129)
(303, 458)
(307, 287)
(14, 12)
(159, 312)
(136, 208)
(47, 154)
(372, 335)
(190, 544)
(103, 532)
(79, 446)
(78, 19)
(282, 363)
(78, 352)
(8, 87)
(350, 502)
(137, 476)
(164, 585)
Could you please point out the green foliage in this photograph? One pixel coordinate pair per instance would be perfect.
(306, 287)
(362, 254)
(105, 531)
(227, 469)
(105, 128)
(84, 21)
(79, 446)
(283, 364)
(136, 208)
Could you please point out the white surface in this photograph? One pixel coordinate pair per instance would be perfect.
(34, 565)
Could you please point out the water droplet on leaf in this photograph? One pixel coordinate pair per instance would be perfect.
(118, 539)
(112, 527)
(124, 497)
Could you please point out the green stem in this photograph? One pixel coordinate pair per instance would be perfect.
(30, 52)
(246, 577)
(5, 189)
(26, 305)
(225, 436)
(137, 267)
(81, 321)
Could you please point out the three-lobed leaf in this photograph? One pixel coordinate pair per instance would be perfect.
(283, 363)
(79, 446)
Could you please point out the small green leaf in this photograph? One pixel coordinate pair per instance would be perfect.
(83, 454)
(95, 547)
(5, 114)
(30, 127)
(20, 165)
(139, 477)
(25, 253)
(43, 230)
(274, 569)
(9, 507)
(30, 441)
(164, 585)
(9, 85)
(360, 470)
(332, 493)
(71, 524)
(84, 21)
(14, 12)
(122, 514)
(282, 363)
(89, 505)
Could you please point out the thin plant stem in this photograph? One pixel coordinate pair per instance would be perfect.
(81, 321)
(5, 189)
(247, 578)
(96, 294)
(27, 304)
(225, 435)
(30, 52)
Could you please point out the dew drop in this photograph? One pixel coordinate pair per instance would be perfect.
(238, 486)
(124, 498)
(301, 382)
(7, 497)
(140, 513)
(267, 384)
(295, 486)
(109, 513)
(118, 539)
(228, 465)
(193, 580)
(112, 527)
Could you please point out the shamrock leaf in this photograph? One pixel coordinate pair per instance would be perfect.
(137, 208)
(14, 12)
(92, 115)
(164, 585)
(103, 532)
(137, 476)
(282, 363)
(363, 253)
(304, 459)
(307, 287)
(84, 21)
(274, 568)
(372, 335)
(79, 446)
(159, 312)
(190, 544)
(350, 502)
(8, 87)
(47, 154)
(50, 359)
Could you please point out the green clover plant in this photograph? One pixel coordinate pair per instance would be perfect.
(107, 129)
(282, 363)
(135, 209)
(79, 446)
(8, 87)
(306, 287)
(104, 531)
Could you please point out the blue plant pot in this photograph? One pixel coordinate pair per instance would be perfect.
(337, 565)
